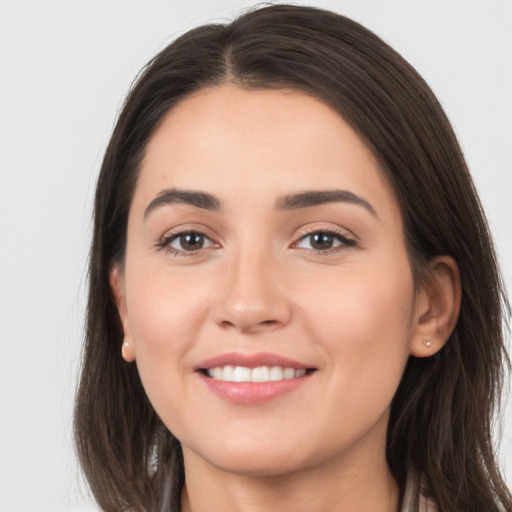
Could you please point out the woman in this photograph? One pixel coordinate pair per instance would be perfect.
(294, 299)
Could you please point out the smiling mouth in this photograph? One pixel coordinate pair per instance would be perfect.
(231, 373)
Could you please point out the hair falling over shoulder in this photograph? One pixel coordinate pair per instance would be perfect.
(441, 421)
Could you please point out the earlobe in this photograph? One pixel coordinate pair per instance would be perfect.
(117, 284)
(437, 307)
(127, 352)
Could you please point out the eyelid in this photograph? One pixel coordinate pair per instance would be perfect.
(190, 227)
(325, 227)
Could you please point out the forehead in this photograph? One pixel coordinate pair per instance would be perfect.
(236, 142)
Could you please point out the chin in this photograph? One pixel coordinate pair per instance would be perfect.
(261, 466)
(262, 459)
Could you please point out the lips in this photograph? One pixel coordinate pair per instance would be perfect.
(250, 361)
(252, 378)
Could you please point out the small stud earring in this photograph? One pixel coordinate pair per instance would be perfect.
(427, 343)
(124, 351)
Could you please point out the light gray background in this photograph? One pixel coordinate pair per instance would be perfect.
(64, 70)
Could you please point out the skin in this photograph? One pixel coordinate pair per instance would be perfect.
(258, 284)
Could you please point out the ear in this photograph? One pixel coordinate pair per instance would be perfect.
(437, 307)
(117, 284)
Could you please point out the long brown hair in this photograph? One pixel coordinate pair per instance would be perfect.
(442, 414)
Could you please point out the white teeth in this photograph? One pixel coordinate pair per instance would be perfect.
(228, 373)
(289, 373)
(242, 374)
(276, 373)
(258, 374)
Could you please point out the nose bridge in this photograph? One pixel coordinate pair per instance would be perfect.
(253, 296)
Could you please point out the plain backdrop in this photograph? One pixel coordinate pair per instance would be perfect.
(65, 68)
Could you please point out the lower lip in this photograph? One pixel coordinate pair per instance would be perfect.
(253, 392)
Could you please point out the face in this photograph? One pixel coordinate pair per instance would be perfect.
(266, 294)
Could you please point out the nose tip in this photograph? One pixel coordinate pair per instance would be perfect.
(251, 301)
(250, 318)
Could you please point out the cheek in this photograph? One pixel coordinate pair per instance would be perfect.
(359, 303)
(165, 310)
(364, 325)
(164, 305)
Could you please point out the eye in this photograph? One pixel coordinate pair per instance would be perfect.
(185, 242)
(324, 241)
(188, 241)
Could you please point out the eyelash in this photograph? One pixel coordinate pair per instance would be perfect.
(164, 243)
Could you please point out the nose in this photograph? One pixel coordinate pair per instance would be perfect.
(253, 297)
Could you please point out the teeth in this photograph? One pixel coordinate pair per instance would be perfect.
(276, 373)
(242, 374)
(259, 374)
(289, 373)
(228, 373)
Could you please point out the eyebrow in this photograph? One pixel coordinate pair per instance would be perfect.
(175, 196)
(305, 199)
(316, 198)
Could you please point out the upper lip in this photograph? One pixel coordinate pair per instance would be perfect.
(251, 361)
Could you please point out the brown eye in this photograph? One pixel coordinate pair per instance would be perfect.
(321, 241)
(188, 241)
(324, 241)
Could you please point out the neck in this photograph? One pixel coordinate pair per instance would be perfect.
(349, 482)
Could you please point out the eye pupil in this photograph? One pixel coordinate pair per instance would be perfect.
(321, 241)
(191, 241)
